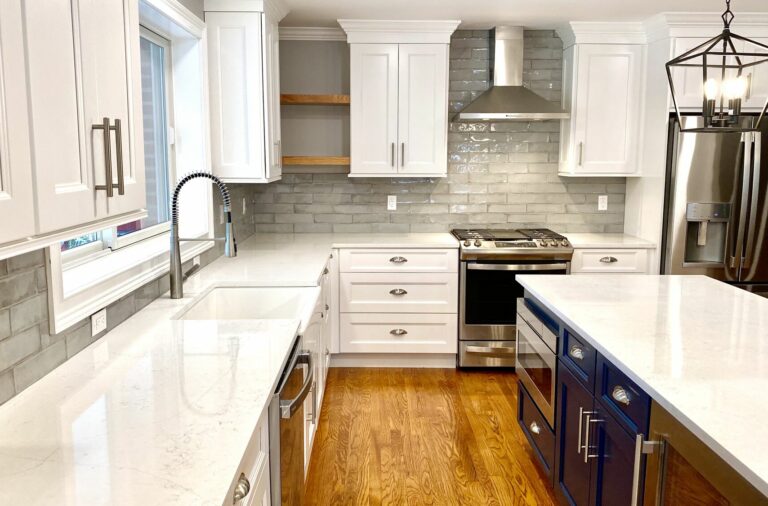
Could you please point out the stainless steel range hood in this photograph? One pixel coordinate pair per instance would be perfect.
(508, 99)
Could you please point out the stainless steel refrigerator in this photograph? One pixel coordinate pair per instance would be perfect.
(716, 217)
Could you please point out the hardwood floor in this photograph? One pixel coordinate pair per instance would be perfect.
(422, 436)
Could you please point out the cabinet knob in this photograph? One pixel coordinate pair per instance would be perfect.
(535, 428)
(620, 395)
(398, 332)
(398, 291)
(327, 352)
(609, 260)
(398, 260)
(576, 352)
(325, 271)
(327, 307)
(241, 489)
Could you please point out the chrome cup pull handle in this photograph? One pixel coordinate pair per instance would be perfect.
(398, 332)
(535, 428)
(576, 352)
(241, 489)
(398, 291)
(609, 260)
(620, 395)
(398, 260)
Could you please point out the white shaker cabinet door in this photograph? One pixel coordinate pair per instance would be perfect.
(688, 84)
(109, 46)
(606, 116)
(64, 184)
(423, 106)
(16, 201)
(235, 63)
(373, 85)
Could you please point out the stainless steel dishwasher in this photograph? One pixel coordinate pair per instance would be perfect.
(286, 429)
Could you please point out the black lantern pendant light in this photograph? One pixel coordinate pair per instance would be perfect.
(725, 77)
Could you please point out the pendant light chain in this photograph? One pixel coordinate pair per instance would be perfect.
(727, 15)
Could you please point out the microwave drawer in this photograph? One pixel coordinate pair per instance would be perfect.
(398, 333)
(398, 260)
(610, 260)
(399, 292)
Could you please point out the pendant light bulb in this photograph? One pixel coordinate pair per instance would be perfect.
(735, 87)
(711, 89)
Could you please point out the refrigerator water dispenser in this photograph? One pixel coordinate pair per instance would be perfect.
(707, 231)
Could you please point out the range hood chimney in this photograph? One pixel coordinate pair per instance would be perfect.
(508, 99)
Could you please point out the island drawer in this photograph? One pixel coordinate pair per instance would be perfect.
(399, 292)
(536, 429)
(399, 260)
(580, 357)
(630, 405)
(398, 333)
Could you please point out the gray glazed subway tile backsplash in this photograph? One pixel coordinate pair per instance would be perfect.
(499, 174)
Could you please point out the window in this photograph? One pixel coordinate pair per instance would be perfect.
(156, 79)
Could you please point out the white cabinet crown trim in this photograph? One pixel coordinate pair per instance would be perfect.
(274, 8)
(597, 32)
(365, 31)
(312, 33)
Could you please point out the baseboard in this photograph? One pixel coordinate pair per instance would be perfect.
(419, 360)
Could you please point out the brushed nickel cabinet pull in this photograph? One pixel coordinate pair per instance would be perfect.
(620, 395)
(402, 154)
(609, 260)
(398, 260)
(241, 489)
(392, 155)
(398, 291)
(105, 128)
(398, 332)
(535, 428)
(119, 154)
(581, 153)
(576, 352)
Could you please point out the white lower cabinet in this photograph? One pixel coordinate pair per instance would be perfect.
(253, 472)
(608, 261)
(398, 301)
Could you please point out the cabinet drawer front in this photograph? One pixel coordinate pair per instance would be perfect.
(621, 260)
(402, 260)
(621, 396)
(255, 462)
(399, 293)
(398, 333)
(580, 357)
(536, 429)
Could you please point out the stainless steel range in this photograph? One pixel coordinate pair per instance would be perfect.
(490, 261)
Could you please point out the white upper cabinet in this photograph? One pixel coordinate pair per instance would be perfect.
(603, 89)
(244, 78)
(373, 109)
(83, 71)
(422, 108)
(16, 197)
(399, 97)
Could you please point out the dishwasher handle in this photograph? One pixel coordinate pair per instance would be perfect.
(289, 406)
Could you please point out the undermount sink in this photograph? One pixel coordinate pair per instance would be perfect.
(253, 303)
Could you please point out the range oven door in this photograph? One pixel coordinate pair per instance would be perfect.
(536, 368)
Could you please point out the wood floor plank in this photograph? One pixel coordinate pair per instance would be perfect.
(422, 437)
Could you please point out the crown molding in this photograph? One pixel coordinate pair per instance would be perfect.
(599, 32)
(275, 9)
(312, 33)
(704, 24)
(398, 31)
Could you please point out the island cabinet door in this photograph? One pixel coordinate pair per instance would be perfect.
(681, 469)
(614, 467)
(573, 417)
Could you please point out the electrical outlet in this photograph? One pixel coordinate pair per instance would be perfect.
(99, 322)
(602, 203)
(245, 206)
(392, 203)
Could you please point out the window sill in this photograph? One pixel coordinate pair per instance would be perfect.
(83, 289)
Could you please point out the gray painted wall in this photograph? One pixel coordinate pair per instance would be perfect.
(196, 6)
(500, 174)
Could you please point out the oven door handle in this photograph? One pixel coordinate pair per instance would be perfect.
(517, 267)
(490, 350)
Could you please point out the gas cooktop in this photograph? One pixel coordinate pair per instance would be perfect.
(531, 242)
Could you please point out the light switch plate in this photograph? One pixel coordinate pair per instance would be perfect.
(602, 203)
(391, 202)
(99, 322)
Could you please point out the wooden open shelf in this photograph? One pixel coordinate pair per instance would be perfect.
(315, 160)
(294, 99)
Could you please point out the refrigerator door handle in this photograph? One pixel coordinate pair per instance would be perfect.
(753, 202)
(737, 255)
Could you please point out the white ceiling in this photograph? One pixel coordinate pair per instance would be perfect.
(487, 13)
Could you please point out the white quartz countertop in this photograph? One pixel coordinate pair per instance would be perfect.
(160, 411)
(699, 348)
(610, 241)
